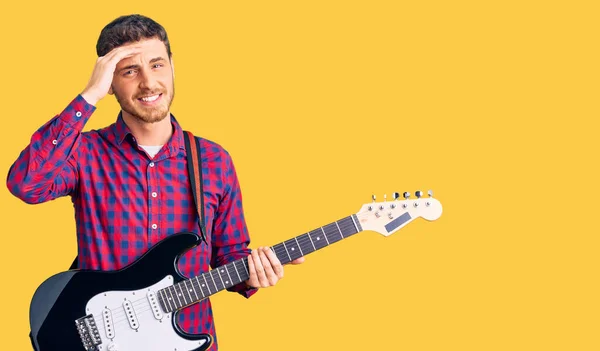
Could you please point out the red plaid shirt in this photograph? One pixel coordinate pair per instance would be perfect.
(125, 202)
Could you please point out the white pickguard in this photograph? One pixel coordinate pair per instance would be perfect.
(146, 332)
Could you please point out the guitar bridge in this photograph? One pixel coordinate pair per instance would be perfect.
(88, 332)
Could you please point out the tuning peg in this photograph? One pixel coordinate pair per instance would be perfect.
(374, 197)
(418, 194)
(430, 193)
(406, 195)
(396, 196)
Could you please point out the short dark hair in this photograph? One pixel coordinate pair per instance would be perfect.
(127, 29)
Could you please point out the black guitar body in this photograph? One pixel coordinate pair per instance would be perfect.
(62, 299)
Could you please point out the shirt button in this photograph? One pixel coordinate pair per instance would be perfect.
(154, 194)
(78, 114)
(154, 226)
(151, 164)
(54, 142)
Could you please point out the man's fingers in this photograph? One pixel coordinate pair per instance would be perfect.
(298, 260)
(272, 278)
(122, 51)
(275, 263)
(260, 270)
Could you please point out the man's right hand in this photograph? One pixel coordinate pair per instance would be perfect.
(102, 76)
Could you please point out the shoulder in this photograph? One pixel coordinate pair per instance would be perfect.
(213, 151)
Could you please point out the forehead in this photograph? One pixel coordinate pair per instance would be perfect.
(150, 48)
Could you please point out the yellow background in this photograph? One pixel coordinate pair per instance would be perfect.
(492, 105)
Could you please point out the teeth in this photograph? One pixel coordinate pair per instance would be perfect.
(150, 98)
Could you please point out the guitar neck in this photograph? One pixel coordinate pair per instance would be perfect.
(195, 289)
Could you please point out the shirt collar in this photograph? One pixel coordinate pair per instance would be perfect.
(175, 143)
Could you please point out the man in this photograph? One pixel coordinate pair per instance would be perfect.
(129, 181)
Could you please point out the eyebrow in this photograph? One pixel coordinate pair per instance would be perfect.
(156, 59)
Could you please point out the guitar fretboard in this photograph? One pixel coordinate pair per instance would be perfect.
(193, 290)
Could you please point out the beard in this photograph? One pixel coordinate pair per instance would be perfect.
(148, 114)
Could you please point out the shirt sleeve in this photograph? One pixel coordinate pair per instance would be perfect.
(230, 237)
(46, 168)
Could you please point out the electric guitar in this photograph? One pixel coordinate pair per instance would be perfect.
(135, 308)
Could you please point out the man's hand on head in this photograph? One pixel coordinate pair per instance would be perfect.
(102, 76)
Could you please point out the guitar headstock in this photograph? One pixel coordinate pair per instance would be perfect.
(388, 216)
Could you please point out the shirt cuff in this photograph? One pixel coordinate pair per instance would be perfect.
(243, 289)
(77, 113)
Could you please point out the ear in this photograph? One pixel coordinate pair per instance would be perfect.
(172, 66)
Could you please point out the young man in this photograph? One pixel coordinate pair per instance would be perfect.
(129, 181)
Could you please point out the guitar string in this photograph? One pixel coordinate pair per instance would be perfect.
(146, 307)
(279, 249)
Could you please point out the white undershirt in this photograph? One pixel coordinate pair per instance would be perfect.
(151, 150)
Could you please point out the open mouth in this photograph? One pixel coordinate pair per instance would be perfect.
(150, 100)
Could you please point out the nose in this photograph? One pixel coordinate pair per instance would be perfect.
(147, 80)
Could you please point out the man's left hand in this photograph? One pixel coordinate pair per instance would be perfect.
(265, 268)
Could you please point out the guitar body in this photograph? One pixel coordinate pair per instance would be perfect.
(123, 303)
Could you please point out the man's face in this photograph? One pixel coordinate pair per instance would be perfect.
(143, 83)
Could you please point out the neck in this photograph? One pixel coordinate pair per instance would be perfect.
(150, 134)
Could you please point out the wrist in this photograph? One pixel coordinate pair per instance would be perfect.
(89, 98)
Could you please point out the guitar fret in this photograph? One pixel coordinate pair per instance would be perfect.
(185, 283)
(280, 252)
(220, 276)
(286, 250)
(353, 222)
(213, 280)
(323, 230)
(245, 265)
(338, 227)
(238, 273)
(231, 282)
(166, 299)
(193, 288)
(332, 231)
(183, 293)
(206, 281)
(172, 297)
(311, 241)
(175, 287)
(200, 287)
(299, 248)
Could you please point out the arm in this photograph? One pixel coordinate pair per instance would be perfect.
(230, 237)
(47, 168)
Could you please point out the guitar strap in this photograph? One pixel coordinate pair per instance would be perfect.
(194, 163)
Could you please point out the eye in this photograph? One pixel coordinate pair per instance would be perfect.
(128, 72)
(157, 65)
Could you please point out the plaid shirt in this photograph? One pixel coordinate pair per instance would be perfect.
(125, 202)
